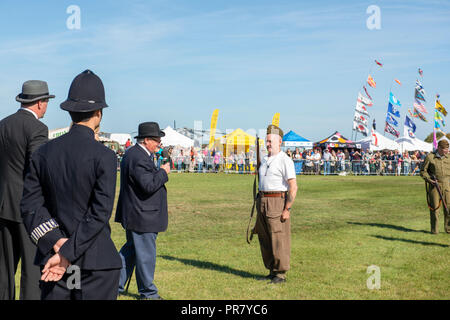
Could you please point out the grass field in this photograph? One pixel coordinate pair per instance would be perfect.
(340, 226)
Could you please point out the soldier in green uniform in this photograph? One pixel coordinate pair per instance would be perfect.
(436, 170)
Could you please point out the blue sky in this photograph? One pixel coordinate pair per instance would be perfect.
(179, 60)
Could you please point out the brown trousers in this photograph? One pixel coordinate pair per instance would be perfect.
(274, 236)
(436, 203)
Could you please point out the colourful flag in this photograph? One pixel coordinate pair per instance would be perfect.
(212, 131)
(418, 95)
(391, 120)
(378, 63)
(360, 119)
(360, 128)
(364, 100)
(367, 93)
(419, 87)
(412, 114)
(419, 115)
(436, 124)
(440, 107)
(419, 106)
(361, 108)
(371, 82)
(393, 110)
(398, 81)
(389, 129)
(409, 123)
(394, 100)
(420, 72)
(276, 119)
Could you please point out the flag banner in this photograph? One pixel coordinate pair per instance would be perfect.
(276, 119)
(412, 114)
(361, 108)
(419, 87)
(371, 82)
(437, 115)
(394, 100)
(361, 119)
(407, 132)
(391, 120)
(378, 63)
(436, 124)
(367, 93)
(420, 107)
(409, 123)
(360, 128)
(389, 129)
(420, 72)
(212, 130)
(398, 81)
(440, 107)
(393, 110)
(364, 100)
(419, 115)
(434, 140)
(419, 96)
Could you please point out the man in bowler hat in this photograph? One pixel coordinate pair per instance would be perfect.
(142, 209)
(20, 135)
(68, 200)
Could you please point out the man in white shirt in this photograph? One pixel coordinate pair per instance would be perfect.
(277, 192)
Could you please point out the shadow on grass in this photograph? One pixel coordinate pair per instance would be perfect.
(388, 226)
(213, 266)
(424, 243)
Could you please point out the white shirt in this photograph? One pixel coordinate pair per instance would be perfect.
(32, 112)
(275, 171)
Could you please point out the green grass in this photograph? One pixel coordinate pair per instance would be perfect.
(340, 226)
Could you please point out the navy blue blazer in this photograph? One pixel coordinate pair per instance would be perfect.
(69, 193)
(142, 205)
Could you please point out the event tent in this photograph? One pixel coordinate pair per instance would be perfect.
(173, 138)
(236, 141)
(291, 139)
(337, 140)
(376, 141)
(413, 144)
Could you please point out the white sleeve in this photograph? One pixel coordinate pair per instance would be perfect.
(289, 169)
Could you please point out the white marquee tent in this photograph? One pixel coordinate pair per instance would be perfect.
(413, 144)
(173, 138)
(376, 141)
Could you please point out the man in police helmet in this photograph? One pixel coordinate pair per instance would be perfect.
(67, 203)
(436, 173)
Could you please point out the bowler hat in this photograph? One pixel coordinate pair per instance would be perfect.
(86, 93)
(149, 129)
(34, 90)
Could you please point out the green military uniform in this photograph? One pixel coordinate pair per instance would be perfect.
(438, 166)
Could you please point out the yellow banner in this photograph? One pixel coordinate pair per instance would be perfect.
(441, 108)
(212, 132)
(276, 119)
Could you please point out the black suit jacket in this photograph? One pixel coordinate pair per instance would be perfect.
(20, 135)
(142, 205)
(69, 192)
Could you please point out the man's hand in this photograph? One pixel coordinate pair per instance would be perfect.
(55, 268)
(285, 215)
(166, 167)
(59, 244)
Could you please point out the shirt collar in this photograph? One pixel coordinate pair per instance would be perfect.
(31, 111)
(145, 149)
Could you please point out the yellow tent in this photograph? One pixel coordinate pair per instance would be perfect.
(237, 141)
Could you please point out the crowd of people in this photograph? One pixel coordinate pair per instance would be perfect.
(307, 161)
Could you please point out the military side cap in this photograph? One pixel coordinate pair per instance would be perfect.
(86, 93)
(273, 129)
(443, 144)
(33, 90)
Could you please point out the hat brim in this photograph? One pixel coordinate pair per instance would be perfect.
(75, 106)
(161, 134)
(22, 100)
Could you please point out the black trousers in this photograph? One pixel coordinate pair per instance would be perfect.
(93, 285)
(15, 245)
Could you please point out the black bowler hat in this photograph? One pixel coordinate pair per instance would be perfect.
(86, 93)
(149, 129)
(34, 90)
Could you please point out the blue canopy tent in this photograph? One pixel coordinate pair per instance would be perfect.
(291, 139)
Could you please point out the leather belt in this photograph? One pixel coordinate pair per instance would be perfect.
(273, 194)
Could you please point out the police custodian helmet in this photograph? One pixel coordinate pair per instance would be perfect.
(86, 93)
